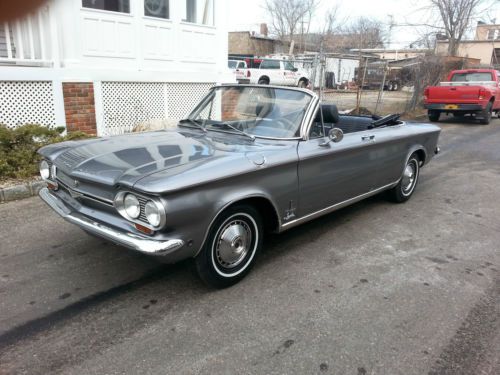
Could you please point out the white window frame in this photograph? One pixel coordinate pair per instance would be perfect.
(199, 23)
(130, 13)
(156, 17)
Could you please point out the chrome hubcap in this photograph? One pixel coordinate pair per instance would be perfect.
(233, 243)
(408, 177)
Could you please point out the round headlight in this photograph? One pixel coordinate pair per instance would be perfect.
(44, 170)
(132, 206)
(153, 213)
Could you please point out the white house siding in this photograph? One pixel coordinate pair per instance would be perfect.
(142, 67)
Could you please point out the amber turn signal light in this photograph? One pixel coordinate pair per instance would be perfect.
(143, 229)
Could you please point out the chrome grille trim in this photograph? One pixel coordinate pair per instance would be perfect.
(69, 191)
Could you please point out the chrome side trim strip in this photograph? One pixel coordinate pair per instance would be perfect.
(130, 240)
(334, 207)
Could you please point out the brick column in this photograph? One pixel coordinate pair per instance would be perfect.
(79, 107)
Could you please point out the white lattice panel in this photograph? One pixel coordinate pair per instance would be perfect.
(126, 104)
(183, 97)
(27, 103)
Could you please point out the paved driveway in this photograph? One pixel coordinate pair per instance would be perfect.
(376, 288)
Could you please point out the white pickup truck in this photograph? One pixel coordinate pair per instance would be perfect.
(238, 68)
(276, 72)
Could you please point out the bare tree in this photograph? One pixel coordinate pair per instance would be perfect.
(456, 16)
(286, 15)
(366, 33)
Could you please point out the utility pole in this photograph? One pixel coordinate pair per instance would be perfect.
(391, 25)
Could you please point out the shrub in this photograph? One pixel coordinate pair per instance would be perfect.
(18, 148)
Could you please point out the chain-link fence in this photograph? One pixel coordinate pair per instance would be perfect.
(368, 85)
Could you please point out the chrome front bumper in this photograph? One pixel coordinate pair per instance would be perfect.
(130, 240)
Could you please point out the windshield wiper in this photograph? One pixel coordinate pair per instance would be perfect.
(235, 129)
(186, 121)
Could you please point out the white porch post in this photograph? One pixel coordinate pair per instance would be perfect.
(54, 37)
(99, 109)
(60, 115)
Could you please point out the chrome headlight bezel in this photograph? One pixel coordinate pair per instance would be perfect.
(155, 210)
(48, 172)
(45, 170)
(131, 205)
(141, 219)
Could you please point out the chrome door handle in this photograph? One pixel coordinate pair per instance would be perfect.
(367, 137)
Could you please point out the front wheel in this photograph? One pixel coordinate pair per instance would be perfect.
(406, 185)
(302, 84)
(231, 247)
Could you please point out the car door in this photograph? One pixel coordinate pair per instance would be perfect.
(331, 174)
(390, 150)
(271, 68)
(288, 73)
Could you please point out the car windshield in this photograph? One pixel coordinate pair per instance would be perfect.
(257, 111)
(231, 64)
(471, 77)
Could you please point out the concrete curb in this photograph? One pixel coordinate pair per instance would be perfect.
(16, 192)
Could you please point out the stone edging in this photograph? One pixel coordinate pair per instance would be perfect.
(16, 192)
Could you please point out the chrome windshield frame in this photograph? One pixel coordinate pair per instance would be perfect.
(306, 119)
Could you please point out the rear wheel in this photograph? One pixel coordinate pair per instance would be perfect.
(263, 81)
(406, 185)
(302, 84)
(395, 86)
(433, 115)
(231, 247)
(486, 114)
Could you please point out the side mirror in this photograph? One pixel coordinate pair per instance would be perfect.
(335, 135)
(295, 69)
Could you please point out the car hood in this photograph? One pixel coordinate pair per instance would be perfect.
(190, 155)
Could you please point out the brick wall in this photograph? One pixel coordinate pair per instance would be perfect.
(241, 42)
(79, 107)
(229, 103)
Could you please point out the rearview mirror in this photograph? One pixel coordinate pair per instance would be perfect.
(335, 135)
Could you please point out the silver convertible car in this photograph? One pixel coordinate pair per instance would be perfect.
(248, 159)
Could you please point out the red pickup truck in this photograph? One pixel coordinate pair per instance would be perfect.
(474, 92)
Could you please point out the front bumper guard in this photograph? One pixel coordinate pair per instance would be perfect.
(129, 240)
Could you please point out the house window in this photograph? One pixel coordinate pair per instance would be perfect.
(157, 8)
(491, 34)
(199, 11)
(122, 6)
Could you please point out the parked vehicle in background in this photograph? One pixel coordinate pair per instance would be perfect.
(239, 69)
(473, 92)
(394, 78)
(277, 72)
(247, 160)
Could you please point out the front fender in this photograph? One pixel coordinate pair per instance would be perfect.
(191, 212)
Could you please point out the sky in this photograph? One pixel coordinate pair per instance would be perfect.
(246, 15)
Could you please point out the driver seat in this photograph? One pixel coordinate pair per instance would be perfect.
(330, 114)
